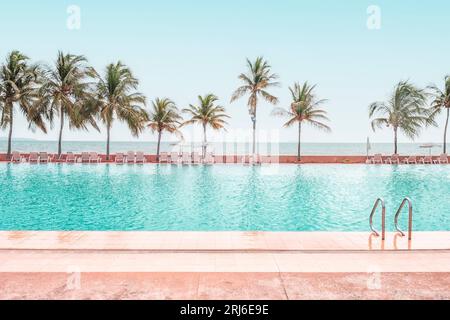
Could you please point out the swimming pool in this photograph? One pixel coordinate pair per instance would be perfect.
(218, 198)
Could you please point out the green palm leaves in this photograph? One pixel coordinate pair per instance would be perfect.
(405, 111)
(65, 93)
(304, 109)
(164, 116)
(441, 101)
(115, 97)
(18, 87)
(206, 113)
(257, 81)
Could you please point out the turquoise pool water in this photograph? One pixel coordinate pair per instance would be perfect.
(222, 197)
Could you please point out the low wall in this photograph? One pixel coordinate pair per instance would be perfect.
(239, 159)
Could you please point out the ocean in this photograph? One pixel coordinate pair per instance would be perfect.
(283, 148)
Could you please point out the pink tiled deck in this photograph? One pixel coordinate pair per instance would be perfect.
(223, 265)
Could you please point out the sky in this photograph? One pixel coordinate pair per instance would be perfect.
(180, 49)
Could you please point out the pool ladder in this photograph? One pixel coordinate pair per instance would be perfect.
(397, 215)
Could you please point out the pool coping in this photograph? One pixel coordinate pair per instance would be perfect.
(177, 241)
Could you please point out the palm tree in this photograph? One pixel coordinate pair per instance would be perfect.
(65, 93)
(442, 101)
(115, 98)
(303, 109)
(164, 116)
(256, 82)
(405, 111)
(18, 82)
(206, 113)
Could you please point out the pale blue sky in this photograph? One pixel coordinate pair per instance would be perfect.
(180, 49)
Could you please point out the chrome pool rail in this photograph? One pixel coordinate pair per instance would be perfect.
(410, 219)
(383, 218)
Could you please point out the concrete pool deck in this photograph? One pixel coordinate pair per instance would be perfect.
(223, 265)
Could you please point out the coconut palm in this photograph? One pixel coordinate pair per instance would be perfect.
(303, 110)
(256, 82)
(116, 98)
(405, 111)
(206, 113)
(65, 93)
(442, 101)
(18, 80)
(164, 116)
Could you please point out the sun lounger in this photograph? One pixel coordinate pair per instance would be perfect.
(44, 157)
(16, 157)
(209, 159)
(131, 157)
(427, 160)
(163, 157)
(85, 157)
(196, 159)
(34, 157)
(255, 159)
(394, 159)
(186, 158)
(120, 158)
(266, 159)
(71, 158)
(377, 159)
(410, 160)
(174, 158)
(140, 158)
(443, 158)
(93, 157)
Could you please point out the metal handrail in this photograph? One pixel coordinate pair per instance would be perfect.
(383, 219)
(410, 222)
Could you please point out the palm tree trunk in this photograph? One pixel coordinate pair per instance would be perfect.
(445, 131)
(204, 142)
(61, 114)
(254, 135)
(159, 145)
(299, 156)
(10, 130)
(108, 136)
(395, 141)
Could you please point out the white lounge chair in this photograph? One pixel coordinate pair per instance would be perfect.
(377, 159)
(34, 157)
(163, 157)
(94, 158)
(394, 159)
(174, 158)
(140, 158)
(131, 157)
(120, 158)
(186, 158)
(16, 157)
(410, 160)
(443, 159)
(85, 158)
(70, 157)
(266, 159)
(209, 159)
(427, 160)
(196, 159)
(44, 157)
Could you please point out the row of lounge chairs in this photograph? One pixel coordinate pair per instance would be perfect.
(186, 158)
(70, 157)
(395, 159)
